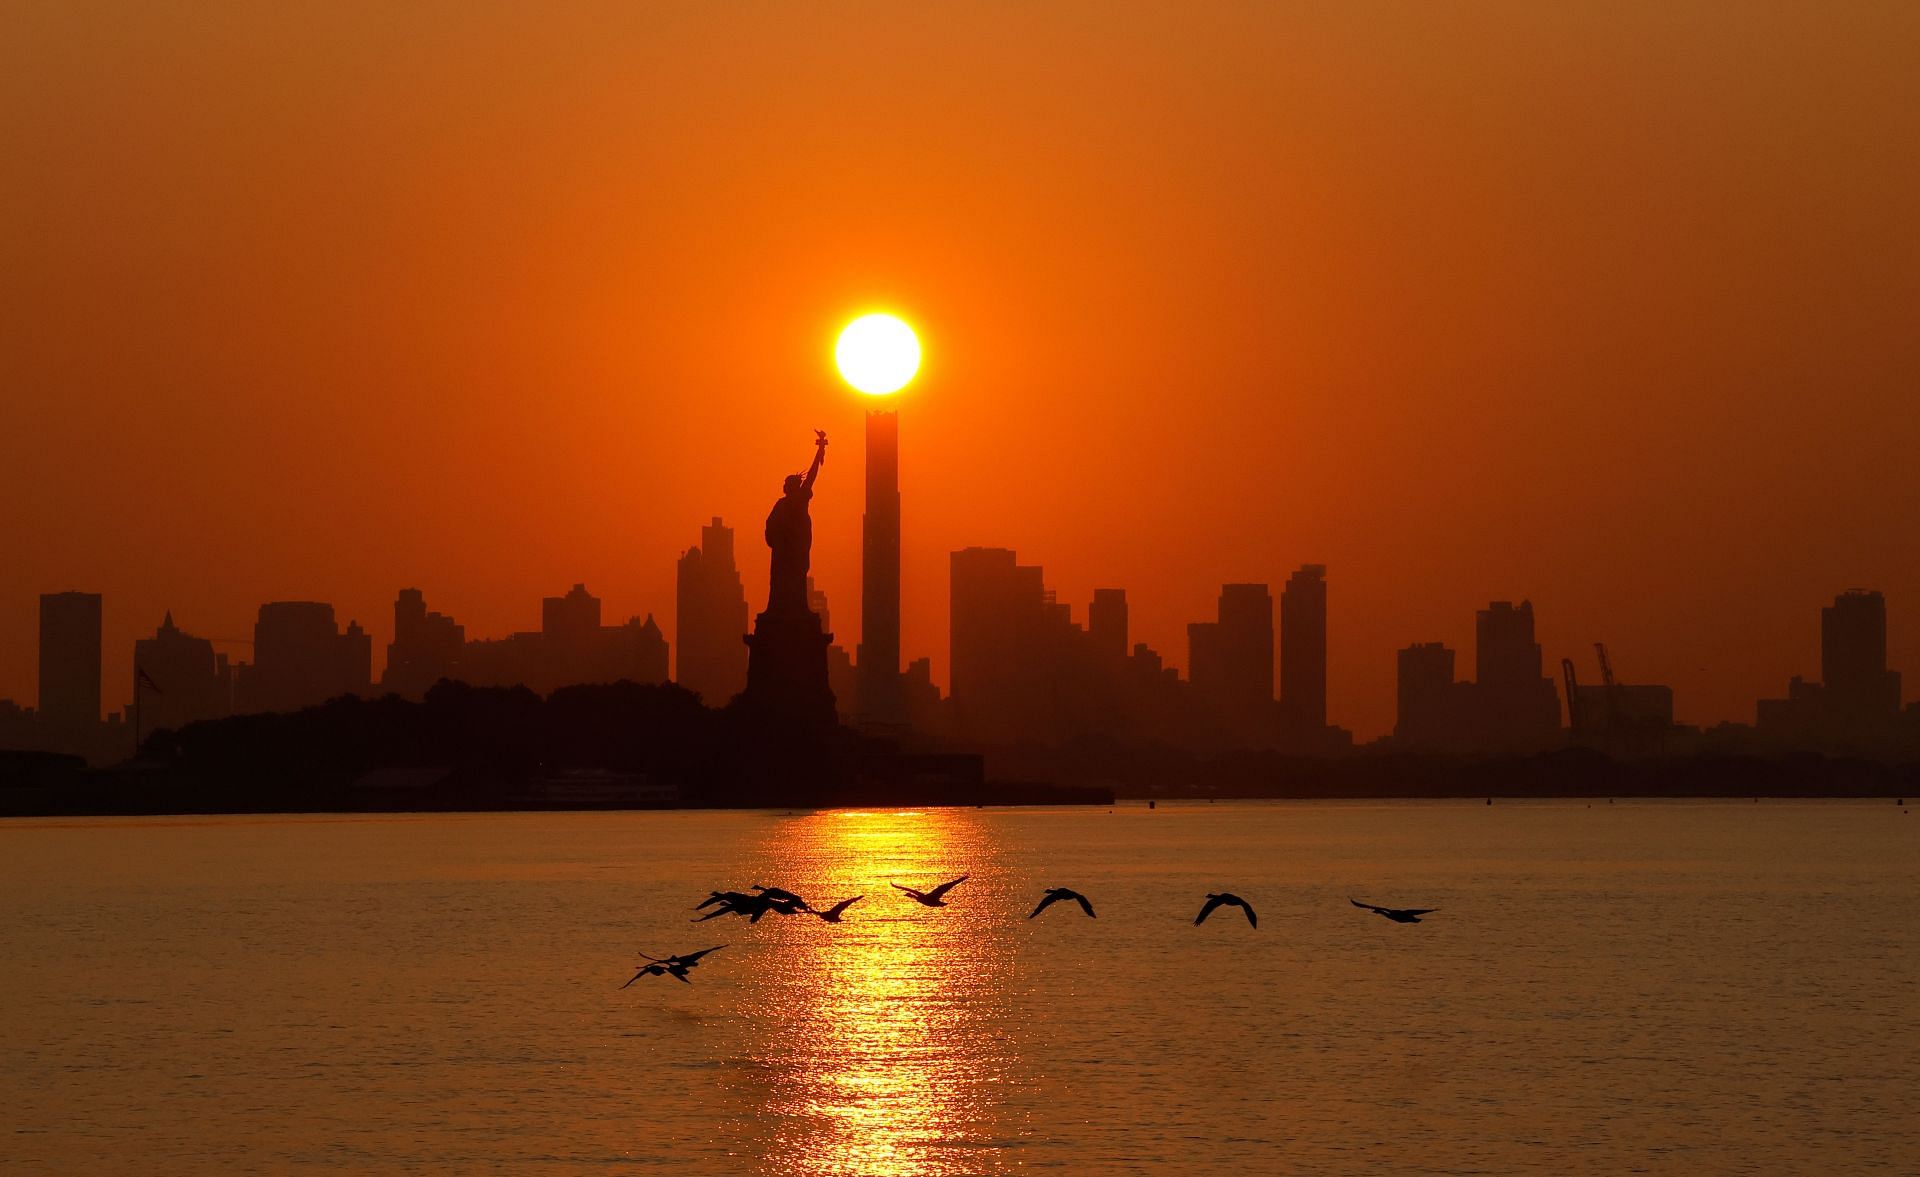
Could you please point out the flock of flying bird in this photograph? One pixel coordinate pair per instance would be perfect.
(759, 900)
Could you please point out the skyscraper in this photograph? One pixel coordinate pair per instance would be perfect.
(1853, 657)
(1107, 623)
(1303, 644)
(1230, 663)
(711, 607)
(178, 679)
(878, 657)
(301, 658)
(426, 646)
(1514, 706)
(1504, 651)
(70, 666)
(998, 661)
(1856, 708)
(1424, 685)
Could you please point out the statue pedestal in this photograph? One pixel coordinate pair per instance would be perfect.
(787, 670)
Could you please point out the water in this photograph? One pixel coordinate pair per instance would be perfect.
(1685, 988)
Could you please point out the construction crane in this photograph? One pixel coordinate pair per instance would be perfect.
(1613, 695)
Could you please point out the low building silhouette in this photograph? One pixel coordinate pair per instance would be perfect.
(178, 679)
(302, 657)
(571, 647)
(1625, 718)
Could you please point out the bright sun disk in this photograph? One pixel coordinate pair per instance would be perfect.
(877, 354)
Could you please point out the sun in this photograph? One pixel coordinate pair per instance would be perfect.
(877, 354)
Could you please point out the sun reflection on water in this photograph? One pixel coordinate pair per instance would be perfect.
(883, 1047)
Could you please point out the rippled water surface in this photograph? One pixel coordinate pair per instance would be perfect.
(1652, 987)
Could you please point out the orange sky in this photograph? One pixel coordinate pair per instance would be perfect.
(1611, 308)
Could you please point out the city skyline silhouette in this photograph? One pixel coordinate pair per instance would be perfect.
(1650, 369)
(579, 581)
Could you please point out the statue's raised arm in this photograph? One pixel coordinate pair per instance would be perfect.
(819, 459)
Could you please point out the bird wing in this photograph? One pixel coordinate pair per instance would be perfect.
(1419, 911)
(694, 956)
(945, 887)
(1367, 906)
(842, 906)
(635, 977)
(679, 975)
(1084, 905)
(1213, 901)
(1251, 917)
(1045, 902)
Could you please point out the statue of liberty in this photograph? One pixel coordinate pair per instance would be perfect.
(790, 535)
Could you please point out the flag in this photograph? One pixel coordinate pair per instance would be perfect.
(142, 679)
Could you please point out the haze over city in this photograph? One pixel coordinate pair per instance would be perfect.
(1611, 310)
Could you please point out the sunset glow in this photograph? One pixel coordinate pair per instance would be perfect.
(877, 354)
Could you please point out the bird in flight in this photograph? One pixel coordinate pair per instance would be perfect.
(1054, 895)
(935, 897)
(751, 906)
(780, 895)
(1227, 899)
(1399, 915)
(676, 967)
(832, 914)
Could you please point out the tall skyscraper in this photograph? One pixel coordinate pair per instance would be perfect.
(712, 618)
(1853, 657)
(70, 666)
(1303, 644)
(878, 657)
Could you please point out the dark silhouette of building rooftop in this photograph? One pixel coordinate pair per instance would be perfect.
(711, 618)
(1230, 665)
(179, 679)
(571, 647)
(301, 657)
(426, 646)
(1857, 706)
(1303, 645)
(1510, 707)
(69, 669)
